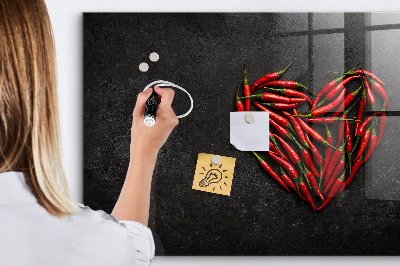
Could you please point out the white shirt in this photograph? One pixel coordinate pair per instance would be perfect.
(29, 235)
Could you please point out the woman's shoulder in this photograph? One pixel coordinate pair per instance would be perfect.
(88, 214)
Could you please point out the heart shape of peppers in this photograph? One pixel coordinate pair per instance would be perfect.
(302, 167)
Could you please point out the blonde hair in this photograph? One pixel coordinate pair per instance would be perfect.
(29, 123)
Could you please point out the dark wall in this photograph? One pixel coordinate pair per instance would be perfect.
(205, 53)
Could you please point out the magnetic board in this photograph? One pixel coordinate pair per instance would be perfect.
(205, 53)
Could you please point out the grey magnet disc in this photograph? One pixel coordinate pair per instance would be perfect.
(216, 159)
(249, 118)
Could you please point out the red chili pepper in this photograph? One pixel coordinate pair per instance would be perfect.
(328, 150)
(290, 92)
(340, 133)
(329, 107)
(364, 141)
(305, 193)
(361, 109)
(270, 77)
(292, 154)
(320, 120)
(314, 134)
(306, 155)
(270, 97)
(308, 161)
(372, 145)
(325, 90)
(296, 160)
(286, 179)
(349, 98)
(272, 138)
(286, 84)
(277, 118)
(332, 94)
(317, 156)
(281, 130)
(332, 163)
(284, 133)
(369, 74)
(381, 91)
(299, 132)
(273, 141)
(341, 126)
(370, 95)
(364, 124)
(239, 104)
(313, 183)
(246, 90)
(275, 149)
(349, 144)
(289, 150)
(281, 106)
(287, 166)
(338, 169)
(382, 126)
(361, 130)
(270, 171)
(335, 188)
(353, 173)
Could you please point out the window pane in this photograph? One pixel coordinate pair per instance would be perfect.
(385, 63)
(327, 48)
(328, 21)
(381, 171)
(383, 18)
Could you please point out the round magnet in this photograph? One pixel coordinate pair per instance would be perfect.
(216, 159)
(249, 118)
(143, 67)
(154, 57)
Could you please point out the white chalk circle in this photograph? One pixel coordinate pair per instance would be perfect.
(164, 83)
(154, 57)
(143, 67)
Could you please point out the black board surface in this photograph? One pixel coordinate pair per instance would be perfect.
(205, 53)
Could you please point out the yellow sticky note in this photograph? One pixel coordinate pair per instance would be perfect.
(214, 178)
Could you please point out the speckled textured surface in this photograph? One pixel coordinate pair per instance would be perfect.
(204, 53)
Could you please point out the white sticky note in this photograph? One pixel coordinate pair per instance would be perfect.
(246, 136)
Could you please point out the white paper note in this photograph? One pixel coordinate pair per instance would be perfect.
(246, 136)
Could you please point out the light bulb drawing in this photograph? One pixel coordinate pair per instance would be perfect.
(213, 176)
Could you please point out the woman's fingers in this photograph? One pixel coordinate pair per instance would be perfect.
(164, 110)
(141, 103)
(167, 95)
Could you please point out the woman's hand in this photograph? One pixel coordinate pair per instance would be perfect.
(134, 201)
(149, 140)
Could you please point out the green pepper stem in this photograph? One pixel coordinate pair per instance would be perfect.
(321, 103)
(252, 96)
(258, 157)
(237, 91)
(246, 82)
(305, 88)
(280, 73)
(307, 115)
